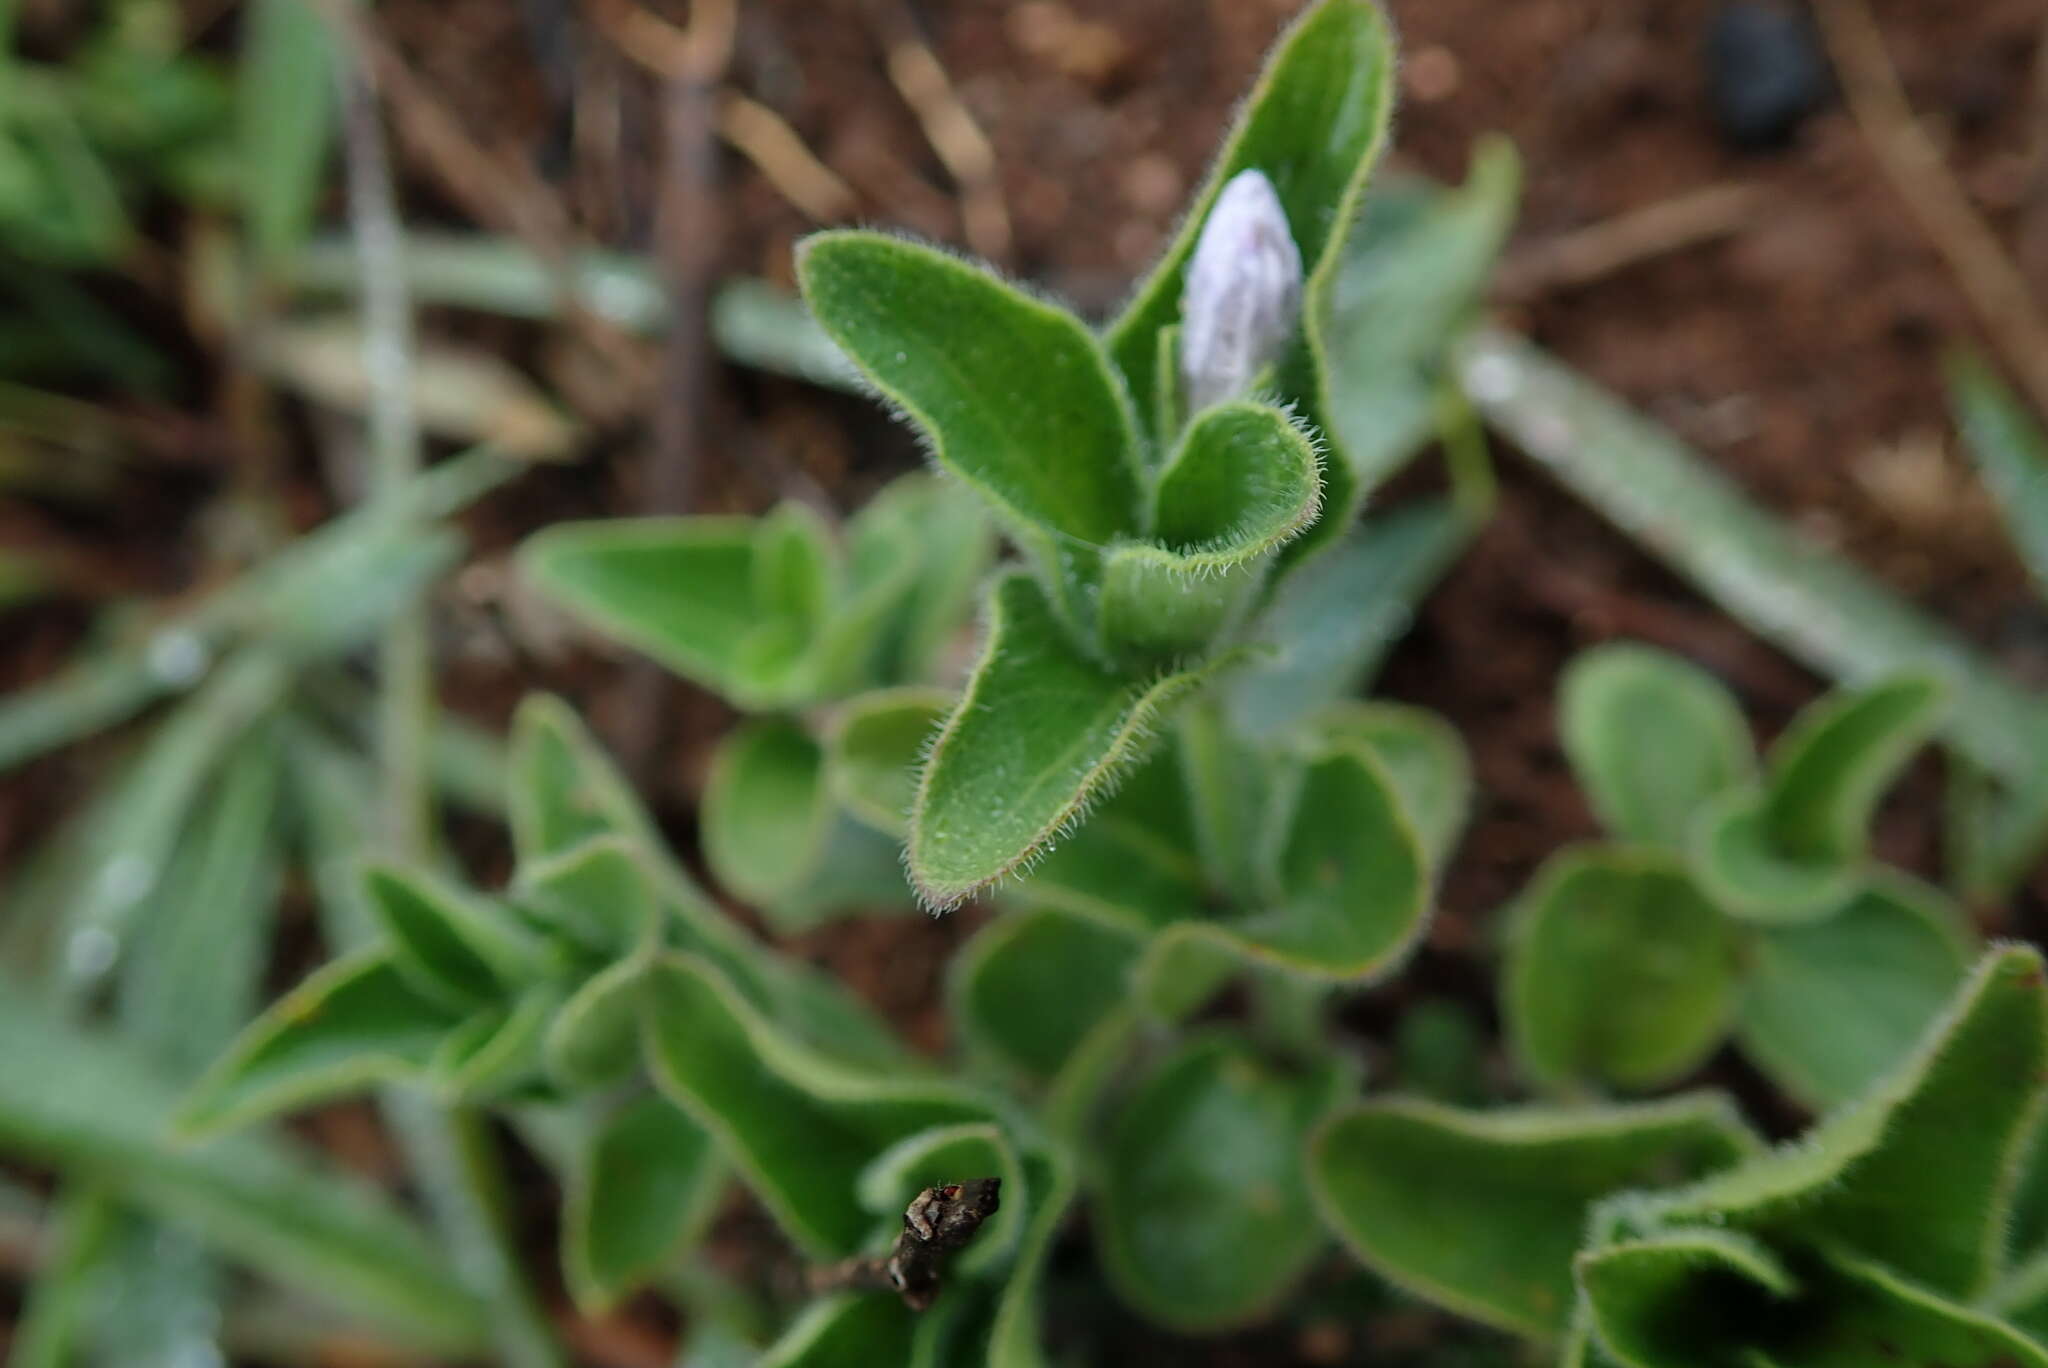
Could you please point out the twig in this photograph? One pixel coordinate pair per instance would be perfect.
(778, 152)
(948, 126)
(939, 1222)
(1578, 258)
(754, 130)
(498, 191)
(1995, 288)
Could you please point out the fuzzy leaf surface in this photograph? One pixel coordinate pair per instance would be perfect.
(1917, 1173)
(1314, 124)
(1612, 700)
(1041, 732)
(1826, 1009)
(1619, 973)
(1203, 1218)
(1014, 394)
(1482, 1212)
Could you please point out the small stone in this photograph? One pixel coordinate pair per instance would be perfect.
(1765, 72)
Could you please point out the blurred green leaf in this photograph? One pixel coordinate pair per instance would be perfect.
(846, 1332)
(286, 111)
(1002, 782)
(1619, 972)
(1482, 1212)
(800, 1127)
(1351, 883)
(645, 1185)
(1613, 696)
(355, 1022)
(1333, 620)
(1793, 852)
(458, 948)
(2011, 453)
(598, 893)
(1829, 1008)
(594, 1040)
(86, 1105)
(566, 790)
(1422, 757)
(1413, 277)
(876, 746)
(1032, 984)
(1202, 1217)
(766, 810)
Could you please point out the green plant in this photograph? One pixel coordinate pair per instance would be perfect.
(1879, 1237)
(1738, 901)
(1278, 828)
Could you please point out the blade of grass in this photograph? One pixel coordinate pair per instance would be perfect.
(1810, 603)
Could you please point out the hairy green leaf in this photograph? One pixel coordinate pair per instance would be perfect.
(1242, 483)
(1827, 1009)
(1619, 972)
(1482, 1212)
(1041, 732)
(1918, 1172)
(1202, 1219)
(1685, 1297)
(1610, 700)
(1013, 393)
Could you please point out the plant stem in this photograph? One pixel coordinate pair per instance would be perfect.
(449, 1150)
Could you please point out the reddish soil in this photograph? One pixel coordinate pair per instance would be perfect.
(1800, 352)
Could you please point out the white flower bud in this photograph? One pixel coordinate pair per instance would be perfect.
(1243, 293)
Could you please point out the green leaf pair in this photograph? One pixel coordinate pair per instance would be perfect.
(1877, 1238)
(783, 611)
(1742, 906)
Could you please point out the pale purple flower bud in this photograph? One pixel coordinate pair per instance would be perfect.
(1243, 293)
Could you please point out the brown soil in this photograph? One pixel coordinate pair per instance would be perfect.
(1800, 352)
